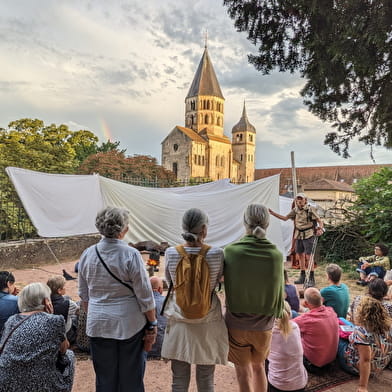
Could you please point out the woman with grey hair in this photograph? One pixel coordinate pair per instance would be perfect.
(200, 341)
(31, 344)
(116, 292)
(254, 288)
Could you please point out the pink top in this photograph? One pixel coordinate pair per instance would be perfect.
(285, 369)
(320, 334)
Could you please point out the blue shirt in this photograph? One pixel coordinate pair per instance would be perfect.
(8, 307)
(337, 297)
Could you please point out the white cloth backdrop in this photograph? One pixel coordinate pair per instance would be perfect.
(65, 205)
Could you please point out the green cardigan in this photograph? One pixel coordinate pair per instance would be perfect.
(254, 277)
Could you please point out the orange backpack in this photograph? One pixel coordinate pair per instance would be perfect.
(193, 294)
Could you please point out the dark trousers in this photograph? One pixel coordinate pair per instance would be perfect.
(119, 364)
(273, 389)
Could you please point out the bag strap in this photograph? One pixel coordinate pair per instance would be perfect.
(13, 330)
(166, 299)
(110, 272)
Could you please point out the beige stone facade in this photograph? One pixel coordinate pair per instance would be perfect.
(201, 150)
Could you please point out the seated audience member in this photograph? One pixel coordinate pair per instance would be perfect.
(8, 298)
(64, 306)
(377, 290)
(376, 265)
(286, 371)
(157, 288)
(32, 342)
(319, 331)
(369, 348)
(291, 295)
(336, 295)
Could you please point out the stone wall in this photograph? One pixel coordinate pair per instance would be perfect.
(20, 254)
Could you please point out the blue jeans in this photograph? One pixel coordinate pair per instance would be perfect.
(119, 364)
(182, 376)
(343, 343)
(380, 271)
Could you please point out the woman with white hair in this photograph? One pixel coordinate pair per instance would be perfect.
(254, 289)
(116, 292)
(200, 341)
(32, 343)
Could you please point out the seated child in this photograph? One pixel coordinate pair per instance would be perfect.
(63, 305)
(376, 265)
(285, 367)
(291, 295)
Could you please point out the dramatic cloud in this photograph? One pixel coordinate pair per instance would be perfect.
(126, 67)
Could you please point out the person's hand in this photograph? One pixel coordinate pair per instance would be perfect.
(149, 338)
(15, 291)
(319, 231)
(270, 211)
(364, 265)
(48, 306)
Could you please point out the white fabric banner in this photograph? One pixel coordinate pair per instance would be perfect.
(65, 205)
(58, 205)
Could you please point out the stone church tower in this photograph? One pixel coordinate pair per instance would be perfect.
(201, 150)
(243, 147)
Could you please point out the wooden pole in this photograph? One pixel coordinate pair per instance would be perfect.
(293, 175)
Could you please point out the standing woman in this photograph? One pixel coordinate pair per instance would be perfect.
(120, 315)
(254, 289)
(203, 341)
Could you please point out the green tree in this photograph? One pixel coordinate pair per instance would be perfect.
(30, 144)
(374, 206)
(110, 146)
(344, 51)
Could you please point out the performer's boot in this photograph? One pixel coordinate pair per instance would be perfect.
(311, 282)
(301, 278)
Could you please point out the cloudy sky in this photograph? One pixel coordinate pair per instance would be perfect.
(122, 69)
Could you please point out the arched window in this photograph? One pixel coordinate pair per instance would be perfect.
(208, 104)
(217, 160)
(223, 161)
(195, 159)
(175, 168)
(218, 121)
(206, 119)
(251, 138)
(241, 157)
(199, 160)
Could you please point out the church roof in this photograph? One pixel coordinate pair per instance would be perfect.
(330, 185)
(244, 125)
(191, 134)
(205, 81)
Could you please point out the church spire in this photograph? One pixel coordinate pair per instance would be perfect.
(205, 81)
(244, 125)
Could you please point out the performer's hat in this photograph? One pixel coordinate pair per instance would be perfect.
(301, 195)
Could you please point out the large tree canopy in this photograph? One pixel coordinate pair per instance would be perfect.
(30, 144)
(343, 50)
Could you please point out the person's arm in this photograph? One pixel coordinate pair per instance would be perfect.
(365, 353)
(276, 215)
(381, 262)
(64, 345)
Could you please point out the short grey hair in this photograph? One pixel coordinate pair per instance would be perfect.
(32, 297)
(193, 222)
(256, 220)
(111, 221)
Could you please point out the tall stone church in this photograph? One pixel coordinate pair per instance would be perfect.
(200, 149)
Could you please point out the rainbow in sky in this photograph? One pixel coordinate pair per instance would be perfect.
(107, 134)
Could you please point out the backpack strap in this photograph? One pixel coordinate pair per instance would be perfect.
(181, 250)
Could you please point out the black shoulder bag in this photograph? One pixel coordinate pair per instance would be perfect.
(110, 272)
